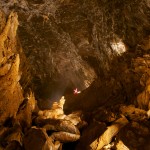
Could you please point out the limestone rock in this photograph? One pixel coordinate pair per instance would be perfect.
(11, 93)
(134, 114)
(3, 133)
(37, 139)
(57, 125)
(148, 113)
(68, 126)
(4, 69)
(65, 136)
(32, 102)
(120, 146)
(104, 115)
(15, 135)
(74, 117)
(24, 113)
(14, 145)
(143, 99)
(142, 130)
(11, 136)
(58, 145)
(56, 112)
(107, 136)
(135, 135)
(68, 44)
(89, 134)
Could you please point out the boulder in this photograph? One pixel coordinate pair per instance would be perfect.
(56, 111)
(107, 136)
(14, 145)
(37, 139)
(25, 111)
(89, 134)
(121, 146)
(65, 136)
(133, 113)
(57, 125)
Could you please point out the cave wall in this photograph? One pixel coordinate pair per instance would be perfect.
(69, 43)
(11, 93)
(65, 44)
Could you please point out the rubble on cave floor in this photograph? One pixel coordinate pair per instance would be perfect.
(24, 126)
(48, 129)
(123, 126)
(120, 127)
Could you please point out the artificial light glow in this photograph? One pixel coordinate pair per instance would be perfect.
(118, 47)
(75, 91)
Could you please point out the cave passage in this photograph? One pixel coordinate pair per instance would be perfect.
(74, 75)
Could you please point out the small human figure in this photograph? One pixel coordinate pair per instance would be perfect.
(75, 91)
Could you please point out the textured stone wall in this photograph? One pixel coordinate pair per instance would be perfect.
(70, 42)
(11, 94)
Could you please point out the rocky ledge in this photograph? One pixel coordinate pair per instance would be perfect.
(112, 113)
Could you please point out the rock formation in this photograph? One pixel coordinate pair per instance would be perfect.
(11, 92)
(49, 48)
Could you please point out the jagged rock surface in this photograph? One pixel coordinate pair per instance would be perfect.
(62, 39)
(68, 43)
(11, 92)
(37, 139)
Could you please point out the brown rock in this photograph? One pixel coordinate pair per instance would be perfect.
(140, 128)
(89, 134)
(32, 102)
(65, 136)
(81, 125)
(56, 111)
(58, 145)
(4, 69)
(37, 139)
(134, 114)
(104, 115)
(27, 107)
(3, 131)
(148, 113)
(24, 115)
(143, 99)
(14, 145)
(135, 135)
(120, 146)
(57, 125)
(68, 126)
(74, 117)
(11, 92)
(15, 135)
(107, 136)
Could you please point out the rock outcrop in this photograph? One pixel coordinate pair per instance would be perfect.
(68, 42)
(19, 110)
(100, 48)
(37, 138)
(11, 92)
